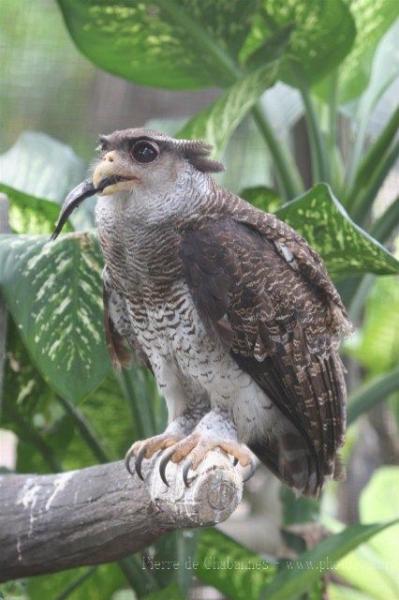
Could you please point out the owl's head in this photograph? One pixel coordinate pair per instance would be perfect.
(139, 161)
(147, 161)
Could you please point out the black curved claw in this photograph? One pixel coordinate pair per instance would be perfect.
(186, 470)
(164, 463)
(139, 462)
(251, 471)
(235, 461)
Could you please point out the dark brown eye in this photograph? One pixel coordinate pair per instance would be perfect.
(144, 152)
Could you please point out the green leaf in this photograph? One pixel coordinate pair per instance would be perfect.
(297, 576)
(387, 223)
(340, 592)
(372, 393)
(41, 166)
(246, 159)
(161, 43)
(322, 35)
(99, 584)
(372, 568)
(53, 291)
(144, 401)
(28, 214)
(385, 68)
(262, 197)
(230, 567)
(372, 18)
(216, 123)
(30, 410)
(272, 48)
(361, 203)
(379, 500)
(345, 247)
(115, 434)
(171, 592)
(376, 345)
(376, 151)
(198, 43)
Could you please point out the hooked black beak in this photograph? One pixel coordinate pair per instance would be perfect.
(77, 195)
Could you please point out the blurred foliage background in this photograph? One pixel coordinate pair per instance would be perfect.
(293, 97)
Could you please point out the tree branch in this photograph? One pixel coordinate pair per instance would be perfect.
(100, 514)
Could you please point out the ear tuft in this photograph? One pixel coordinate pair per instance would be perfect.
(197, 152)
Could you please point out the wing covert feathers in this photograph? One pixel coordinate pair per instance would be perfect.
(260, 287)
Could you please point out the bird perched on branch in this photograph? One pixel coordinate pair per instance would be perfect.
(231, 309)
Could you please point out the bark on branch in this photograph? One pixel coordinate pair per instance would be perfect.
(53, 522)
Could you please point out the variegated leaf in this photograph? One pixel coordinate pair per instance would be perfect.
(189, 44)
(41, 166)
(345, 247)
(38, 167)
(216, 123)
(53, 291)
(29, 214)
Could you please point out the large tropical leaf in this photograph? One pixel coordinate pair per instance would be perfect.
(340, 592)
(53, 292)
(28, 214)
(301, 574)
(376, 346)
(262, 197)
(345, 247)
(379, 500)
(162, 43)
(373, 567)
(230, 567)
(322, 33)
(369, 395)
(93, 583)
(216, 123)
(198, 43)
(373, 18)
(41, 166)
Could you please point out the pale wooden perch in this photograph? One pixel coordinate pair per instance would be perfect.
(101, 514)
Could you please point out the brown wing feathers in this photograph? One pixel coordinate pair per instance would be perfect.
(117, 350)
(267, 294)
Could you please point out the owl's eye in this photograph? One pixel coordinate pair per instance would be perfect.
(144, 152)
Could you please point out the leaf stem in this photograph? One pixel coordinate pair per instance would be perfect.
(133, 386)
(333, 111)
(288, 177)
(387, 223)
(85, 430)
(358, 296)
(141, 581)
(362, 202)
(32, 436)
(371, 394)
(76, 583)
(373, 156)
(317, 149)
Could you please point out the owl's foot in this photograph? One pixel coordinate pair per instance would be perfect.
(194, 448)
(147, 448)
